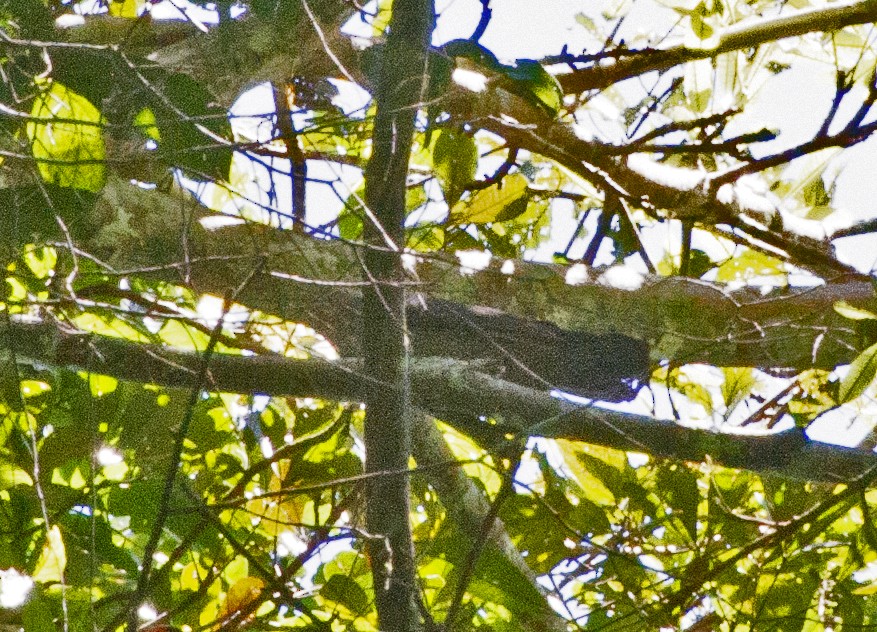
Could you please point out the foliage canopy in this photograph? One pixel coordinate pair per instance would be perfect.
(222, 233)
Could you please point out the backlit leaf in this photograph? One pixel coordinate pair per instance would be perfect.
(241, 594)
(454, 160)
(860, 375)
(68, 153)
(489, 204)
(53, 559)
(852, 312)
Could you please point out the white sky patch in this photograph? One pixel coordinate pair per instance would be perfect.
(577, 274)
(290, 544)
(210, 309)
(351, 97)
(109, 456)
(848, 425)
(583, 132)
(470, 79)
(215, 222)
(816, 228)
(266, 447)
(251, 114)
(666, 175)
(14, 588)
(508, 267)
(604, 107)
(623, 278)
(182, 10)
(69, 20)
(147, 613)
(636, 459)
(867, 574)
(748, 195)
(472, 261)
(409, 262)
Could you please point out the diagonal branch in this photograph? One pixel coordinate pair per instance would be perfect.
(748, 34)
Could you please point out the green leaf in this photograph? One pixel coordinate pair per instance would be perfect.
(749, 264)
(738, 384)
(68, 153)
(678, 488)
(145, 122)
(344, 590)
(514, 210)
(454, 161)
(194, 142)
(488, 204)
(860, 375)
(427, 238)
(350, 219)
(500, 580)
(37, 616)
(852, 312)
(53, 559)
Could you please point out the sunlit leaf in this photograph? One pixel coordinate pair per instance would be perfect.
(145, 122)
(852, 312)
(748, 265)
(41, 261)
(241, 594)
(53, 559)
(126, 8)
(454, 161)
(488, 204)
(861, 374)
(592, 487)
(67, 142)
(426, 238)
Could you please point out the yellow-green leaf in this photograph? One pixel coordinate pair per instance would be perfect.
(69, 145)
(454, 161)
(852, 312)
(126, 8)
(591, 486)
(870, 589)
(241, 594)
(488, 204)
(749, 264)
(41, 261)
(53, 559)
(426, 238)
(860, 375)
(145, 122)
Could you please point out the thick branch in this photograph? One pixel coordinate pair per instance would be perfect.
(452, 391)
(157, 235)
(384, 330)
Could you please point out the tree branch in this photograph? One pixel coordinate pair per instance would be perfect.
(747, 34)
(318, 283)
(452, 391)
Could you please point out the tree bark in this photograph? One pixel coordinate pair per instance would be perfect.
(384, 334)
(453, 391)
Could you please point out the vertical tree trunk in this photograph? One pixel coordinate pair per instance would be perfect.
(387, 432)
